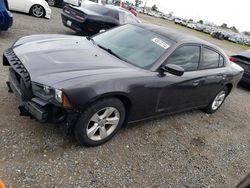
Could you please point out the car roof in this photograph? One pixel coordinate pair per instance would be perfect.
(175, 35)
(108, 7)
(120, 9)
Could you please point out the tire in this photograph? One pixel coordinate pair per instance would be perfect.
(52, 3)
(220, 98)
(37, 11)
(93, 128)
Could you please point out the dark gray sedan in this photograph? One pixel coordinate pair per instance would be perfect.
(243, 59)
(94, 86)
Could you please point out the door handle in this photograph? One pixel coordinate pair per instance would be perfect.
(223, 76)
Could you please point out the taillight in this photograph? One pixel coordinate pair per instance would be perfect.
(79, 17)
(66, 11)
(233, 59)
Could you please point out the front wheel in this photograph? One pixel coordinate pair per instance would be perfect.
(218, 100)
(100, 122)
(37, 11)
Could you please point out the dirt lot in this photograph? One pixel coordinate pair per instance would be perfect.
(185, 150)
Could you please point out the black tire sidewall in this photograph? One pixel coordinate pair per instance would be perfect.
(82, 123)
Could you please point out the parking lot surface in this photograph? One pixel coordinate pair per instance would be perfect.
(190, 149)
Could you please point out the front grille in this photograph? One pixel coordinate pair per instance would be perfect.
(20, 74)
(10, 59)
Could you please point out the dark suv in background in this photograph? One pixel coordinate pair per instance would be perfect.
(6, 18)
(56, 3)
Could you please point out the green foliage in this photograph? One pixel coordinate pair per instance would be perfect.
(201, 21)
(224, 25)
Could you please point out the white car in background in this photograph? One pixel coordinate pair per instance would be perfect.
(191, 25)
(37, 8)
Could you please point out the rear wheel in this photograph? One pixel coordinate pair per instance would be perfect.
(100, 122)
(37, 11)
(218, 100)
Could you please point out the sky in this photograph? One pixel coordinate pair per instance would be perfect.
(234, 13)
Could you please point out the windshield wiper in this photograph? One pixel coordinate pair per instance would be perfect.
(111, 52)
(106, 49)
(90, 39)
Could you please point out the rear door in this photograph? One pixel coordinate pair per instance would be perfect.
(214, 73)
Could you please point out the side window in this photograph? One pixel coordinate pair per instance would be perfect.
(221, 61)
(211, 59)
(187, 57)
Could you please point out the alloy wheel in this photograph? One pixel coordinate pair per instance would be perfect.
(103, 123)
(218, 100)
(38, 11)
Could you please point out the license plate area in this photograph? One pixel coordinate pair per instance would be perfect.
(69, 23)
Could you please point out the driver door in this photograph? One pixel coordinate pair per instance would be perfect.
(182, 92)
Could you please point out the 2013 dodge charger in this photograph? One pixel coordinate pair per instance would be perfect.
(96, 85)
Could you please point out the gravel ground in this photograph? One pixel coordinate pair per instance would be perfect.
(190, 149)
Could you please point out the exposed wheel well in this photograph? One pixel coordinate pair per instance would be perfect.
(124, 99)
(229, 87)
(126, 102)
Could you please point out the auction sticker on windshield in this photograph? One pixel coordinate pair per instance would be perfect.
(160, 43)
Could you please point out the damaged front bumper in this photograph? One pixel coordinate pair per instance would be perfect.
(42, 110)
(31, 105)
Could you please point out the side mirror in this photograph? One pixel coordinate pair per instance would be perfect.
(173, 69)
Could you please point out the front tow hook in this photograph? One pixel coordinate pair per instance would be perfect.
(23, 111)
(8, 85)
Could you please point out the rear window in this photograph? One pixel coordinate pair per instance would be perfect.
(99, 9)
(126, 18)
(246, 54)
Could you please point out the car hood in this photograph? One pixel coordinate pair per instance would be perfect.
(53, 59)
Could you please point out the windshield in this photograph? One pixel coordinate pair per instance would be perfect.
(134, 44)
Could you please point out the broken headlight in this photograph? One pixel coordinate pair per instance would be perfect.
(58, 95)
(47, 93)
(43, 91)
